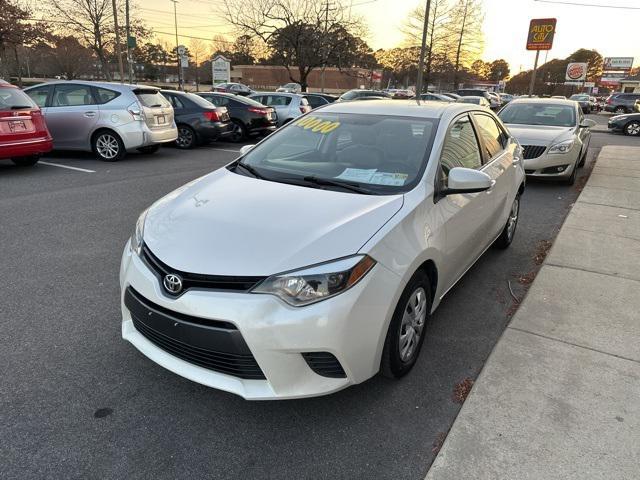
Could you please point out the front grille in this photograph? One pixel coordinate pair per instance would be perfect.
(532, 151)
(197, 280)
(325, 364)
(193, 339)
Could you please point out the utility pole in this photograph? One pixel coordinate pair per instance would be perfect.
(128, 30)
(423, 48)
(324, 45)
(175, 22)
(118, 49)
(533, 74)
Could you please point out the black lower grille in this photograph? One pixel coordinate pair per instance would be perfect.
(532, 151)
(192, 339)
(325, 364)
(197, 280)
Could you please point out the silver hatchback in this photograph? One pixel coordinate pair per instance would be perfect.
(106, 118)
(287, 105)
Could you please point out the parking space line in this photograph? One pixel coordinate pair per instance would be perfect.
(67, 166)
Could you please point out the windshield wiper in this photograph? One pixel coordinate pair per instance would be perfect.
(250, 169)
(354, 187)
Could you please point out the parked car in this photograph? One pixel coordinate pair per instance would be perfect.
(198, 120)
(482, 101)
(359, 93)
(506, 98)
(594, 105)
(23, 132)
(239, 296)
(235, 88)
(249, 117)
(629, 124)
(287, 105)
(402, 94)
(318, 99)
(494, 104)
(436, 97)
(290, 88)
(559, 97)
(621, 102)
(496, 100)
(583, 100)
(554, 134)
(109, 119)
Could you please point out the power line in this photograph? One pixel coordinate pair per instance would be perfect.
(575, 4)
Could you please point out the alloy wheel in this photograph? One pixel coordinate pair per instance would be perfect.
(633, 129)
(413, 319)
(107, 146)
(185, 137)
(237, 133)
(621, 110)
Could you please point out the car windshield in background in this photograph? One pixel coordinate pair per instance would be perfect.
(538, 114)
(580, 98)
(382, 154)
(14, 99)
(152, 98)
(198, 100)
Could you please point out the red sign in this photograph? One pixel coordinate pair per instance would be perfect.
(541, 33)
(376, 76)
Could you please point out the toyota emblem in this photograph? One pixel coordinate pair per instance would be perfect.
(172, 283)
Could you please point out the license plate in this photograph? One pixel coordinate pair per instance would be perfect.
(161, 119)
(17, 126)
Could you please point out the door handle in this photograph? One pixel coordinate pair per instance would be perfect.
(89, 114)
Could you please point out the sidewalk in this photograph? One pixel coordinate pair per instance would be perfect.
(559, 397)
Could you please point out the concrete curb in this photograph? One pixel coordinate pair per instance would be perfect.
(558, 396)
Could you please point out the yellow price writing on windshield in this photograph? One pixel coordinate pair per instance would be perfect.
(317, 125)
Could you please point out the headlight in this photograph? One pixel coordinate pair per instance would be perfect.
(562, 147)
(138, 234)
(310, 285)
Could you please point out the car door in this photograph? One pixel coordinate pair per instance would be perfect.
(467, 217)
(72, 115)
(498, 163)
(178, 106)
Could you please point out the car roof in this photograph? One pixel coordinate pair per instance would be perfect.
(284, 94)
(549, 101)
(119, 87)
(401, 108)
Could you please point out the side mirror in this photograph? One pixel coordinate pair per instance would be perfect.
(588, 123)
(467, 180)
(245, 149)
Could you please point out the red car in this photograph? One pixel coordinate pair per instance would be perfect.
(23, 132)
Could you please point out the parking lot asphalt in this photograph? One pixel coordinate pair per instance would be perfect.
(76, 401)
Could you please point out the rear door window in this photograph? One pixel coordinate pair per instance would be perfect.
(39, 95)
(72, 95)
(277, 101)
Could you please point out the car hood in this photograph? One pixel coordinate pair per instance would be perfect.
(540, 134)
(229, 224)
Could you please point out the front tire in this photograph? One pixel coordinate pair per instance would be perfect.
(407, 328)
(108, 146)
(26, 161)
(186, 137)
(620, 110)
(509, 230)
(632, 128)
(572, 179)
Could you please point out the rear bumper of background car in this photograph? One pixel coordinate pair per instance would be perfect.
(26, 148)
(275, 341)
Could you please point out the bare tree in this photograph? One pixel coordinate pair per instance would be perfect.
(199, 52)
(466, 28)
(302, 35)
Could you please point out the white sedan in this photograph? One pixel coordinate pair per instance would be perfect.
(314, 261)
(554, 134)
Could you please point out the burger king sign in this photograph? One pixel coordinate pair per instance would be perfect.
(576, 72)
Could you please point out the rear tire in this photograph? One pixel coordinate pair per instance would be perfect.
(406, 332)
(509, 230)
(239, 132)
(149, 149)
(632, 128)
(26, 161)
(107, 146)
(186, 137)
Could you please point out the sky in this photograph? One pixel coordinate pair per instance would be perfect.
(607, 30)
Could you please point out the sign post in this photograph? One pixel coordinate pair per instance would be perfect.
(540, 37)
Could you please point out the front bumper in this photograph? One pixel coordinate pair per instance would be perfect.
(351, 326)
(544, 165)
(616, 126)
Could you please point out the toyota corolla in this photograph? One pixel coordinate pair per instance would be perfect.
(314, 260)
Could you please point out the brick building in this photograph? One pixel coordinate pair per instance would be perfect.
(270, 77)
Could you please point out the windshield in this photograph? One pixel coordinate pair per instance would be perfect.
(538, 114)
(12, 99)
(579, 97)
(385, 154)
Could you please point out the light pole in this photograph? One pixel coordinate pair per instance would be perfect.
(126, 12)
(175, 22)
(118, 46)
(422, 49)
